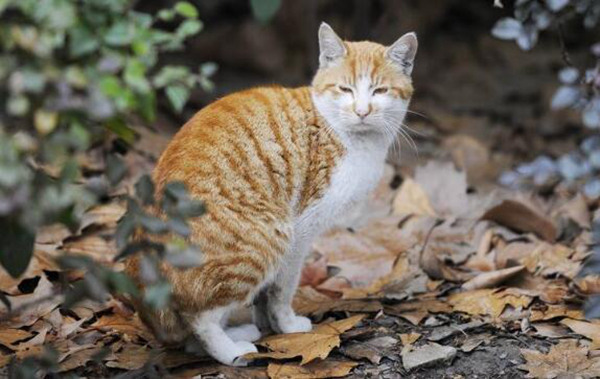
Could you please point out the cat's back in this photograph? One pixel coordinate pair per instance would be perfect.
(253, 142)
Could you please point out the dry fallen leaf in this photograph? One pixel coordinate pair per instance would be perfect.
(38, 304)
(412, 199)
(487, 301)
(313, 370)
(564, 360)
(130, 325)
(587, 329)
(555, 311)
(317, 343)
(549, 259)
(491, 279)
(516, 215)
(409, 338)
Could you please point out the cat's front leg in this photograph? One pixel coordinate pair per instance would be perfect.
(274, 303)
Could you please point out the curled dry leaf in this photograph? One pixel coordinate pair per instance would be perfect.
(317, 343)
(549, 259)
(588, 285)
(565, 360)
(491, 279)
(412, 199)
(518, 216)
(589, 330)
(556, 311)
(487, 301)
(316, 370)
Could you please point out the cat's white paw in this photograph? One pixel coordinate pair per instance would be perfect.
(246, 332)
(242, 348)
(296, 324)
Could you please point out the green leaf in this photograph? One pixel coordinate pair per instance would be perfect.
(16, 246)
(144, 189)
(166, 14)
(115, 169)
(110, 86)
(81, 42)
(125, 228)
(179, 226)
(135, 76)
(264, 10)
(188, 28)
(191, 208)
(120, 34)
(153, 224)
(120, 128)
(185, 259)
(178, 95)
(171, 74)
(122, 283)
(158, 295)
(186, 9)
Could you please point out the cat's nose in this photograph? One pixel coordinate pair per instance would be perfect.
(362, 112)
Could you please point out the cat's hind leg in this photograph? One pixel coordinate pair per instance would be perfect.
(246, 332)
(208, 329)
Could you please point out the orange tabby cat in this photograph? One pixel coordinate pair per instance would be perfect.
(275, 168)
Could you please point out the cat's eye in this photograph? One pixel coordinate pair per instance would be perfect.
(380, 91)
(345, 89)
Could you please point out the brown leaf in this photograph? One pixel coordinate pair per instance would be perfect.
(10, 336)
(318, 369)
(549, 259)
(491, 279)
(518, 216)
(487, 301)
(94, 246)
(412, 199)
(130, 357)
(564, 360)
(577, 210)
(555, 311)
(588, 285)
(471, 155)
(131, 326)
(106, 215)
(409, 338)
(317, 343)
(365, 255)
(37, 304)
(314, 272)
(587, 329)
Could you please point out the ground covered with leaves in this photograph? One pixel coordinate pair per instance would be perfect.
(430, 279)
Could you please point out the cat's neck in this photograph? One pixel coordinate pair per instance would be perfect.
(350, 139)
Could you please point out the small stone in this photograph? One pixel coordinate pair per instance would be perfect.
(426, 355)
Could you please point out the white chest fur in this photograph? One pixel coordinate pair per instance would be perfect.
(355, 176)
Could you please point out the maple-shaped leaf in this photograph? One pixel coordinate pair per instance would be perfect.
(565, 360)
(487, 301)
(317, 343)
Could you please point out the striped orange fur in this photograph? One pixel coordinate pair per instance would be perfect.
(258, 159)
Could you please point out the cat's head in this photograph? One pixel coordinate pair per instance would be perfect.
(364, 87)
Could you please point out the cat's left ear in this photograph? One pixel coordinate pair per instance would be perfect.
(331, 47)
(403, 51)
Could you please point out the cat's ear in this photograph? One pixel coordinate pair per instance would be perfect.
(331, 47)
(403, 51)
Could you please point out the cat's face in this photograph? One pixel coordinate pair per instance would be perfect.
(364, 87)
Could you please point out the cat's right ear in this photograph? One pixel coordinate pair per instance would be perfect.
(331, 47)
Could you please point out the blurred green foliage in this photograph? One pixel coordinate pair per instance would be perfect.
(69, 72)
